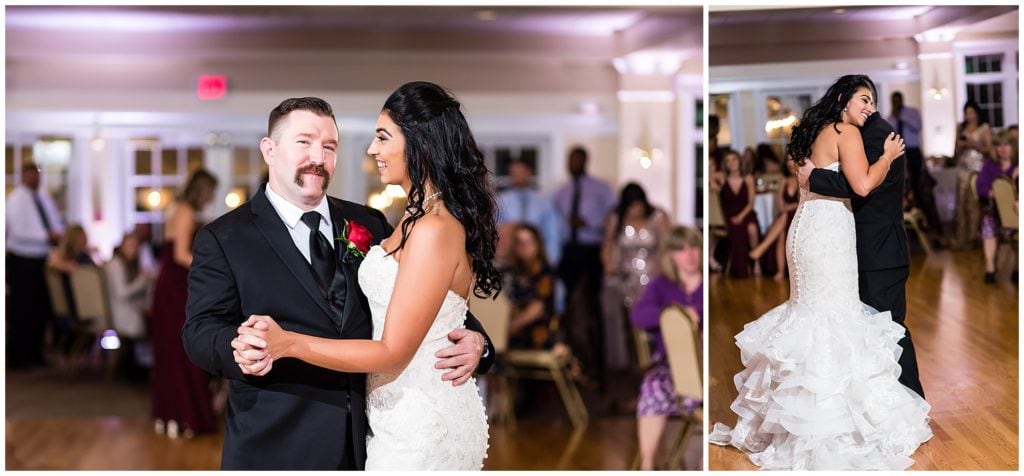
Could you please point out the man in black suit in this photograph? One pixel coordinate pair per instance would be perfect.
(882, 254)
(274, 256)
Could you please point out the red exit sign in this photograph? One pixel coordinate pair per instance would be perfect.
(211, 86)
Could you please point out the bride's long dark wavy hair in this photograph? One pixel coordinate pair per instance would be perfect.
(440, 148)
(827, 111)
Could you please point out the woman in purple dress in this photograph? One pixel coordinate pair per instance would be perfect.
(182, 402)
(681, 283)
(1001, 166)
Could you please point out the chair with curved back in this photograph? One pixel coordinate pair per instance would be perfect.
(717, 226)
(913, 218)
(89, 291)
(1004, 193)
(494, 315)
(683, 348)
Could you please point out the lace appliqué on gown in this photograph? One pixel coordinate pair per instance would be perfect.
(819, 389)
(417, 421)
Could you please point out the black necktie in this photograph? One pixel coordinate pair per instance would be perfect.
(575, 210)
(42, 212)
(44, 217)
(321, 258)
(899, 127)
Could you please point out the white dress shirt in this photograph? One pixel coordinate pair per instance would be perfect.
(26, 234)
(291, 215)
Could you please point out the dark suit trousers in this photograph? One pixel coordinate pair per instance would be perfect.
(886, 290)
(28, 311)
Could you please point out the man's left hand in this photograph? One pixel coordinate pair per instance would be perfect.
(462, 358)
(803, 174)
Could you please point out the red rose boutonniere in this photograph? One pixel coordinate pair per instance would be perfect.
(356, 238)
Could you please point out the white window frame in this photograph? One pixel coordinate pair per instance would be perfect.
(1008, 75)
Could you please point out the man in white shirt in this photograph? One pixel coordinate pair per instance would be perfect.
(33, 227)
(520, 203)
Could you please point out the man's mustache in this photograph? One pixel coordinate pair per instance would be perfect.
(317, 169)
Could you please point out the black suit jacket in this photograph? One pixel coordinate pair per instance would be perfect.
(244, 263)
(881, 235)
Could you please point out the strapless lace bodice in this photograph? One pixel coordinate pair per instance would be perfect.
(821, 250)
(418, 421)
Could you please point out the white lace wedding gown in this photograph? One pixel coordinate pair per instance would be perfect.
(417, 421)
(819, 389)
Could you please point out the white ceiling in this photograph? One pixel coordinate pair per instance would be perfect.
(760, 36)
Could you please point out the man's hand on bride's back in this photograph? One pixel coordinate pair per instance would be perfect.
(461, 358)
(250, 351)
(803, 174)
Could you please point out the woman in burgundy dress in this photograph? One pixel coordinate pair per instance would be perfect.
(737, 196)
(182, 402)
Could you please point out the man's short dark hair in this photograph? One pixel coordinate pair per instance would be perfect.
(312, 104)
(579, 150)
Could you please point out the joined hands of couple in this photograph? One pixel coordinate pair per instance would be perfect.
(261, 340)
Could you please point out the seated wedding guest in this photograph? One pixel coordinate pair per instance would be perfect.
(787, 198)
(71, 252)
(737, 198)
(522, 203)
(1002, 165)
(681, 282)
(532, 280)
(128, 289)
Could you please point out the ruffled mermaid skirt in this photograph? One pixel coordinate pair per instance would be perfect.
(821, 392)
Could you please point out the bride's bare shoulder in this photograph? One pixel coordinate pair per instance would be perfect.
(440, 225)
(848, 130)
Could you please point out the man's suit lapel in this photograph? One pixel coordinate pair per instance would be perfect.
(269, 223)
(349, 266)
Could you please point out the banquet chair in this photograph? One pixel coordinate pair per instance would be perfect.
(683, 349)
(494, 315)
(89, 291)
(1005, 195)
(913, 218)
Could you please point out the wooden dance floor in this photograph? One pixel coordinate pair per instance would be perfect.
(966, 336)
(60, 422)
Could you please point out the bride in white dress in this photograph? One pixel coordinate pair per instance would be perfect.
(819, 389)
(416, 283)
